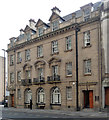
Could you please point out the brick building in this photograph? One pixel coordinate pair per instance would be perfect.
(44, 61)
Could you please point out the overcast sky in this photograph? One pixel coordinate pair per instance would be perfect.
(15, 14)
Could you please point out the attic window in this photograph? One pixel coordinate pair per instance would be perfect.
(40, 31)
(55, 25)
(87, 13)
(28, 36)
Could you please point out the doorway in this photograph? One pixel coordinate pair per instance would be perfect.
(107, 97)
(12, 100)
(88, 98)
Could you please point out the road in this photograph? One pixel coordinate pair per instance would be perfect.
(13, 113)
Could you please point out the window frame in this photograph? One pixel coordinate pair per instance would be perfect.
(40, 73)
(11, 59)
(87, 40)
(87, 69)
(19, 57)
(11, 77)
(55, 25)
(69, 92)
(40, 96)
(87, 16)
(19, 73)
(54, 46)
(68, 43)
(68, 68)
(27, 54)
(28, 74)
(40, 31)
(19, 94)
(55, 96)
(40, 51)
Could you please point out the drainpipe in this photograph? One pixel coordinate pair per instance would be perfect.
(77, 29)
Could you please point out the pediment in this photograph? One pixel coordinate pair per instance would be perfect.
(27, 28)
(54, 16)
(39, 23)
(39, 63)
(54, 59)
(27, 66)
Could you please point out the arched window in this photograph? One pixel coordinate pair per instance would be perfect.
(28, 95)
(40, 95)
(56, 96)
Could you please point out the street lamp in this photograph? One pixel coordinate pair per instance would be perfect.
(4, 74)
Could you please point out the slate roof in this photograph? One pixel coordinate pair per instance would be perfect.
(79, 12)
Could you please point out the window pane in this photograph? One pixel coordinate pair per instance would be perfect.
(39, 51)
(54, 47)
(11, 77)
(27, 52)
(40, 30)
(69, 68)
(86, 38)
(19, 76)
(56, 97)
(87, 66)
(68, 43)
(55, 25)
(69, 92)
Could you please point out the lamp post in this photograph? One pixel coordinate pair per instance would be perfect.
(76, 42)
(4, 74)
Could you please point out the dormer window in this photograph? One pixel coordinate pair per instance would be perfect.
(87, 13)
(28, 36)
(55, 25)
(40, 31)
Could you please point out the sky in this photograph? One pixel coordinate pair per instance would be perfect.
(15, 14)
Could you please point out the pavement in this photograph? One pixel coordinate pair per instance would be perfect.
(83, 113)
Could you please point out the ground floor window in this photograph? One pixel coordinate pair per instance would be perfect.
(28, 95)
(55, 96)
(40, 95)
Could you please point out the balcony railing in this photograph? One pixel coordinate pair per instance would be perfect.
(37, 81)
(53, 79)
(26, 82)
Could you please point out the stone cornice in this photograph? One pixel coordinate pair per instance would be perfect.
(52, 34)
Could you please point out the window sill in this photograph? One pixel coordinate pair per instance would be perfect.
(87, 46)
(68, 76)
(40, 104)
(87, 74)
(68, 50)
(18, 62)
(69, 99)
(40, 57)
(11, 64)
(55, 53)
(27, 60)
(57, 104)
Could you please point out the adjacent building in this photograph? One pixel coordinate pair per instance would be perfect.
(46, 61)
(1, 79)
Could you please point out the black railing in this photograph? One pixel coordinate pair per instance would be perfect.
(37, 81)
(53, 79)
(26, 82)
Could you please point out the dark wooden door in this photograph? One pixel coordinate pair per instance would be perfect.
(91, 99)
(12, 100)
(107, 96)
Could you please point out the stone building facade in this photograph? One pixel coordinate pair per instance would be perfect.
(42, 61)
(1, 79)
